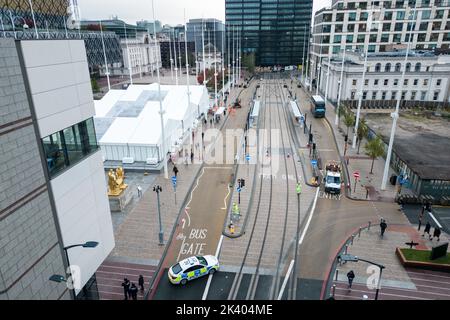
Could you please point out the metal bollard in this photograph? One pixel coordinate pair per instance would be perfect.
(353, 237)
(337, 273)
(346, 248)
(368, 228)
(334, 290)
(359, 233)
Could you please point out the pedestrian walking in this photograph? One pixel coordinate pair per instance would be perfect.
(350, 277)
(436, 233)
(141, 282)
(211, 122)
(192, 156)
(175, 170)
(383, 226)
(231, 227)
(139, 190)
(427, 229)
(133, 291)
(126, 288)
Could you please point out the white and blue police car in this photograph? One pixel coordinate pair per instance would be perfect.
(192, 268)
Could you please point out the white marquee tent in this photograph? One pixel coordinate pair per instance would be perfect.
(128, 123)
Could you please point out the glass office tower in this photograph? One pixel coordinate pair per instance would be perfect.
(275, 30)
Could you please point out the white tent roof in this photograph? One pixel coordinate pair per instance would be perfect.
(135, 112)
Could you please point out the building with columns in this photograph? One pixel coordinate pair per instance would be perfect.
(345, 26)
(426, 82)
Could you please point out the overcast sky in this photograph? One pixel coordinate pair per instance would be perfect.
(167, 11)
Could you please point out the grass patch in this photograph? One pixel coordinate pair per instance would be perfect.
(424, 256)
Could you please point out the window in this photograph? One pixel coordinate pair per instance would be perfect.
(337, 39)
(373, 38)
(351, 27)
(405, 82)
(352, 95)
(435, 95)
(387, 68)
(423, 95)
(400, 15)
(413, 95)
(366, 82)
(362, 27)
(371, 48)
(360, 38)
(338, 28)
(67, 147)
(428, 69)
(364, 96)
(386, 82)
(438, 82)
(395, 82)
(417, 67)
(436, 25)
(336, 49)
(408, 67)
(416, 81)
(388, 15)
(383, 95)
(375, 82)
(378, 67)
(426, 14)
(425, 82)
(354, 82)
(339, 17)
(349, 38)
(398, 26)
(397, 38)
(403, 95)
(398, 67)
(363, 16)
(374, 95)
(423, 26)
(386, 26)
(352, 16)
(393, 95)
(384, 37)
(439, 14)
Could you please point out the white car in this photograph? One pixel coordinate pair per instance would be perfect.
(192, 268)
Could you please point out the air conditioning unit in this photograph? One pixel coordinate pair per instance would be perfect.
(128, 160)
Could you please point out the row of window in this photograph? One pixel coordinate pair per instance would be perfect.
(391, 4)
(383, 38)
(398, 67)
(67, 147)
(395, 82)
(388, 15)
(382, 48)
(393, 95)
(375, 27)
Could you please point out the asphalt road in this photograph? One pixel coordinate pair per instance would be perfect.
(334, 219)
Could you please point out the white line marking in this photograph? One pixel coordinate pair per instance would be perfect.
(288, 274)
(310, 218)
(438, 224)
(208, 284)
(225, 199)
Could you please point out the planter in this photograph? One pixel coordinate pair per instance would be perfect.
(442, 267)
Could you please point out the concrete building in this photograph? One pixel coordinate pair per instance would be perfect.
(344, 25)
(150, 26)
(53, 185)
(170, 47)
(128, 124)
(275, 31)
(194, 33)
(427, 79)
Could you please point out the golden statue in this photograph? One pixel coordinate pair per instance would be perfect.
(116, 182)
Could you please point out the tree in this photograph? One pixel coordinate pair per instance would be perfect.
(363, 131)
(349, 120)
(94, 84)
(248, 61)
(374, 149)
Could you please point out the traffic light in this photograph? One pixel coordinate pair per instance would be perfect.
(314, 146)
(310, 138)
(242, 183)
(346, 138)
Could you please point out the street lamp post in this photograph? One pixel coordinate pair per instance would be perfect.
(338, 111)
(88, 244)
(395, 115)
(158, 189)
(352, 258)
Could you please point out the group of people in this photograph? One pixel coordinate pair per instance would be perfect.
(129, 288)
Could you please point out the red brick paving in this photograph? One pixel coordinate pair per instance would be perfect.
(431, 285)
(110, 276)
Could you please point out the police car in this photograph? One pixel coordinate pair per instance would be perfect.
(192, 268)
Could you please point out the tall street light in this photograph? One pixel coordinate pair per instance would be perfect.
(395, 115)
(88, 244)
(158, 189)
(338, 111)
(352, 258)
(128, 54)
(187, 65)
(319, 63)
(203, 52)
(361, 87)
(161, 111)
(104, 55)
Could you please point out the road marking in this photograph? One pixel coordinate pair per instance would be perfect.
(225, 199)
(208, 283)
(309, 219)
(192, 194)
(288, 274)
(438, 224)
(300, 242)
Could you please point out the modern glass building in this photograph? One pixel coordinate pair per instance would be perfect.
(275, 30)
